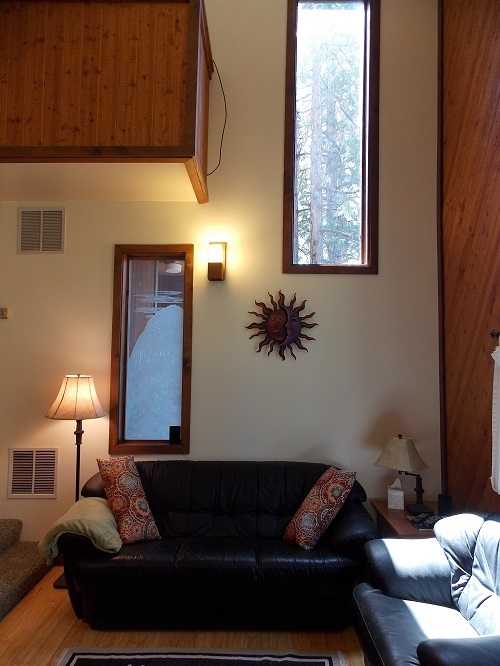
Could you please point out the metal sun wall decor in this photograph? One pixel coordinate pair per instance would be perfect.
(281, 325)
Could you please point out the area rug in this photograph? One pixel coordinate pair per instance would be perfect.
(167, 657)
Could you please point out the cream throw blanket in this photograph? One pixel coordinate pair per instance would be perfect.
(90, 517)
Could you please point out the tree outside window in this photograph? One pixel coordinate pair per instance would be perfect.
(331, 137)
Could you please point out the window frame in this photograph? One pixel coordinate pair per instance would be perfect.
(370, 167)
(124, 254)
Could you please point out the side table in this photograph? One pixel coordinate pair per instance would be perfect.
(394, 522)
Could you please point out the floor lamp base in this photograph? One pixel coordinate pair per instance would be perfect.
(60, 583)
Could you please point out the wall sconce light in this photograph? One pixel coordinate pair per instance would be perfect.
(216, 261)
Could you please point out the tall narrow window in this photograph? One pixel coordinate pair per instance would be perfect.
(150, 393)
(331, 137)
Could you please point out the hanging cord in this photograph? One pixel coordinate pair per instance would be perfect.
(225, 119)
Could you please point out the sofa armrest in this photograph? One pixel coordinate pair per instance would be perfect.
(74, 547)
(413, 569)
(351, 529)
(460, 651)
(90, 517)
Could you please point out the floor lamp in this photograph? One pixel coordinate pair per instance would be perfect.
(76, 401)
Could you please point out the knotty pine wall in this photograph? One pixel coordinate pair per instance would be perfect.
(470, 245)
(121, 81)
(93, 73)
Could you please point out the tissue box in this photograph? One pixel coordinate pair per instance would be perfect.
(395, 498)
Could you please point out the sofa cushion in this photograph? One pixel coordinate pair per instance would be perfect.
(254, 498)
(230, 498)
(216, 566)
(407, 570)
(141, 568)
(470, 543)
(319, 508)
(127, 499)
(286, 570)
(391, 629)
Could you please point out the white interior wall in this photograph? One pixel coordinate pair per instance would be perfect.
(373, 369)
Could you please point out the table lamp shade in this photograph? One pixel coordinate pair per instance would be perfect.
(77, 400)
(400, 453)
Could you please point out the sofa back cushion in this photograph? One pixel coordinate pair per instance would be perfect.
(472, 545)
(226, 498)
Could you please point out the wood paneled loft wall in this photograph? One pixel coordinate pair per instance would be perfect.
(105, 81)
(470, 244)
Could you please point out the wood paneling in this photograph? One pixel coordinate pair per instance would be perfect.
(105, 80)
(470, 244)
(94, 62)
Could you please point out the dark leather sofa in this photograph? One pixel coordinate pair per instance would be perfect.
(433, 602)
(222, 560)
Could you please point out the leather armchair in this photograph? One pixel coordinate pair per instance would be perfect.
(433, 601)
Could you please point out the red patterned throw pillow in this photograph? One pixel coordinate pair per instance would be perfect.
(127, 499)
(319, 508)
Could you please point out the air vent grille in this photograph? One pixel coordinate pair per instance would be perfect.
(32, 473)
(40, 230)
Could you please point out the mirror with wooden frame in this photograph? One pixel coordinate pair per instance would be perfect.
(150, 394)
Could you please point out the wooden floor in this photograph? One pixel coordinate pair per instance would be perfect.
(36, 631)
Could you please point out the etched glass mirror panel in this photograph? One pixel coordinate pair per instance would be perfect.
(151, 349)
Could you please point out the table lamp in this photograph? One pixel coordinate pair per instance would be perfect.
(400, 453)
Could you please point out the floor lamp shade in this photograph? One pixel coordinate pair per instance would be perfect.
(77, 400)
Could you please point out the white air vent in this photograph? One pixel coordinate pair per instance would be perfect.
(40, 230)
(32, 473)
